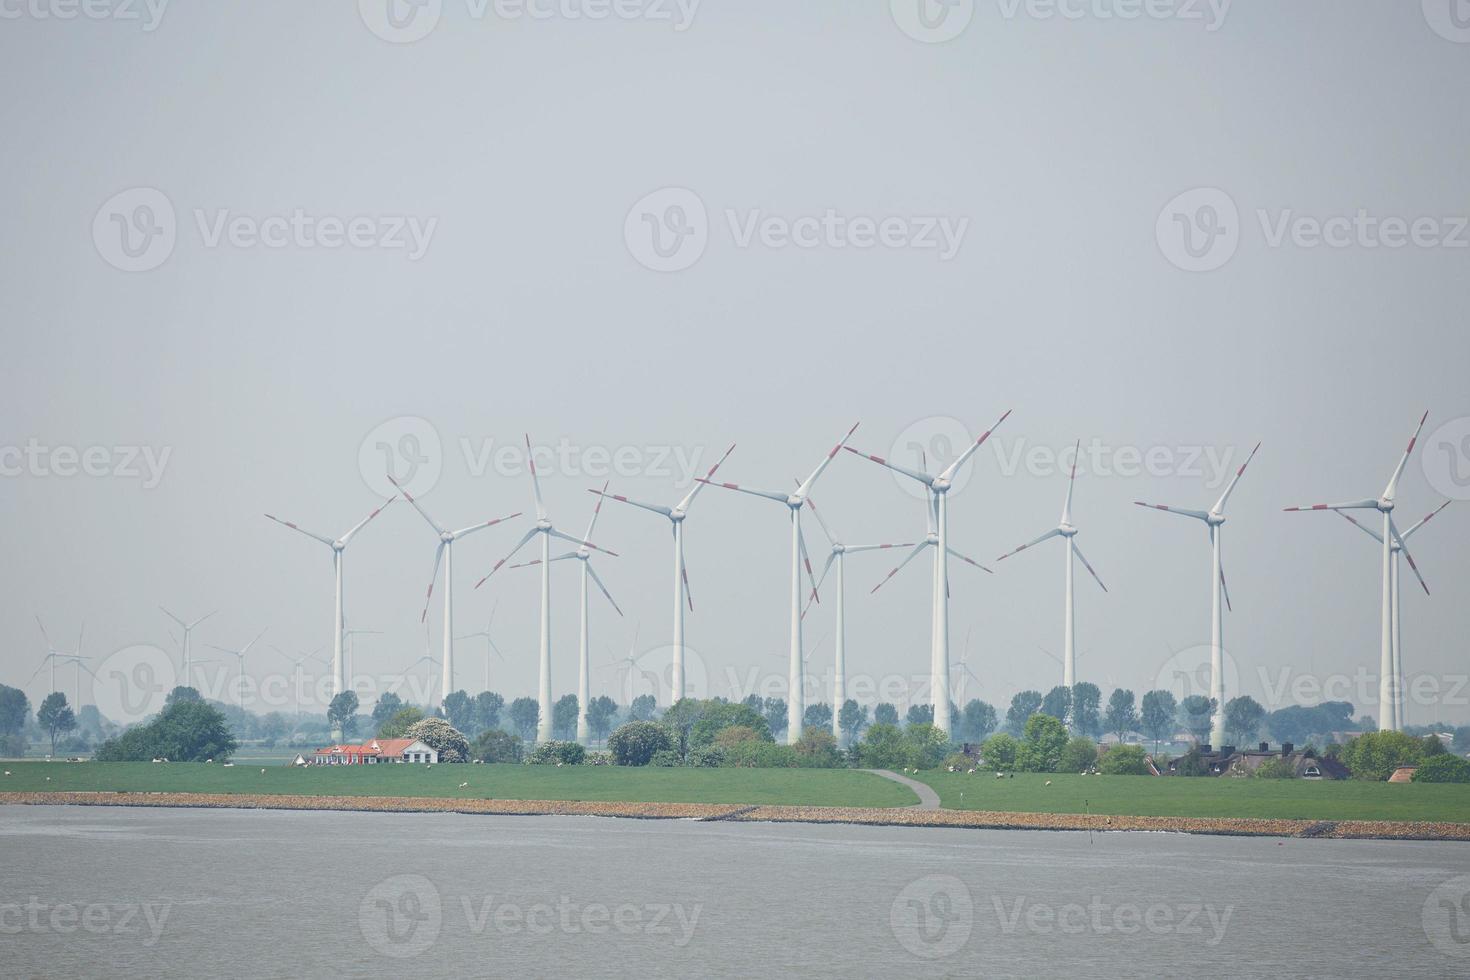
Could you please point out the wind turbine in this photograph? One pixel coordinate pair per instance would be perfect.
(938, 503)
(187, 628)
(490, 647)
(676, 516)
(1065, 529)
(1389, 537)
(837, 557)
(445, 552)
(1398, 720)
(53, 654)
(584, 667)
(547, 530)
(1214, 519)
(337, 545)
(240, 656)
(297, 663)
(794, 503)
(349, 653)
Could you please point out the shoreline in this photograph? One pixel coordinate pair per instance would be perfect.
(745, 813)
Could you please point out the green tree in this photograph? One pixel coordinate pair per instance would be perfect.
(817, 748)
(643, 708)
(1086, 709)
(440, 735)
(852, 719)
(1375, 755)
(388, 705)
(460, 710)
(342, 713)
(55, 716)
(182, 693)
(712, 717)
(919, 714)
(185, 731)
(1000, 751)
(1041, 748)
(1023, 706)
(977, 721)
(1243, 717)
(1157, 718)
(564, 717)
(926, 745)
(1058, 703)
(1121, 717)
(1078, 755)
(1194, 715)
(1124, 760)
(1444, 768)
(525, 715)
(402, 720)
(885, 714)
(600, 713)
(488, 705)
(817, 715)
(634, 743)
(776, 715)
(495, 745)
(883, 747)
(14, 708)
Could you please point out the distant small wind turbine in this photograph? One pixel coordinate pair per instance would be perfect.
(239, 655)
(188, 628)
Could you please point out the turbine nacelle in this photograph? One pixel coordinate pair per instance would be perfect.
(1066, 530)
(1214, 518)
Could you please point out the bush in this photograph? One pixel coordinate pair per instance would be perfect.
(1124, 760)
(717, 716)
(818, 749)
(706, 757)
(635, 743)
(882, 747)
(1041, 751)
(999, 752)
(494, 745)
(1079, 755)
(1375, 755)
(441, 736)
(1276, 768)
(665, 759)
(553, 753)
(185, 731)
(958, 762)
(767, 755)
(1443, 768)
(736, 734)
(925, 745)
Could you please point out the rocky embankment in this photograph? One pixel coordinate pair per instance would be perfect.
(978, 819)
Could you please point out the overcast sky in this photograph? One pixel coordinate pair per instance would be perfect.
(246, 241)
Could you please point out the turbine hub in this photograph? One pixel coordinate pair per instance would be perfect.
(1214, 520)
(677, 516)
(446, 537)
(932, 538)
(338, 546)
(543, 524)
(1067, 530)
(1385, 505)
(839, 548)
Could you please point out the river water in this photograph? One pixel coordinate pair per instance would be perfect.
(188, 893)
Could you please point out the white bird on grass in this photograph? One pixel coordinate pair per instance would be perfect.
(463, 785)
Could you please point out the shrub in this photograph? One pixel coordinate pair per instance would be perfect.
(554, 752)
(1276, 768)
(958, 761)
(767, 755)
(1124, 760)
(818, 749)
(443, 737)
(665, 759)
(495, 745)
(1443, 768)
(925, 745)
(1078, 755)
(882, 747)
(717, 716)
(1375, 755)
(999, 751)
(1041, 751)
(635, 743)
(706, 757)
(735, 734)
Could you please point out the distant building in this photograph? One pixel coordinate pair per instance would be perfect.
(1403, 774)
(374, 751)
(1230, 761)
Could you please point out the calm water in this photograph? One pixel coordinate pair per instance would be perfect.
(92, 892)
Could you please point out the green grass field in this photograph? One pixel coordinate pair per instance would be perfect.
(801, 787)
(1203, 797)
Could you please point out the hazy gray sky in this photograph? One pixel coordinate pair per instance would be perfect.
(895, 229)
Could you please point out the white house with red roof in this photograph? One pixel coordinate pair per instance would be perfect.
(374, 751)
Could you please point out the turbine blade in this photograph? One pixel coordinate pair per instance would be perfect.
(1365, 504)
(519, 545)
(362, 523)
(1219, 507)
(537, 561)
(968, 560)
(923, 478)
(253, 642)
(953, 468)
(656, 508)
(806, 559)
(1035, 541)
(1198, 515)
(821, 524)
(535, 480)
(598, 579)
(1225, 589)
(769, 494)
(170, 615)
(409, 497)
(50, 647)
(1425, 521)
(1087, 565)
(433, 577)
(1393, 482)
(700, 484)
(596, 510)
(853, 548)
(1071, 481)
(911, 556)
(831, 557)
(310, 534)
(465, 531)
(199, 620)
(688, 596)
(1363, 527)
(1393, 529)
(579, 541)
(806, 487)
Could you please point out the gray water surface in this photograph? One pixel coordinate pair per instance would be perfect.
(116, 891)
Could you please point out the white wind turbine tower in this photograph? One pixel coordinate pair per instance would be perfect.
(794, 503)
(1398, 720)
(837, 557)
(547, 531)
(1214, 519)
(187, 628)
(1065, 529)
(240, 656)
(1389, 537)
(676, 516)
(489, 638)
(445, 553)
(337, 545)
(938, 507)
(584, 665)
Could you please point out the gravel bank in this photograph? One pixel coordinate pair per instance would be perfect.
(984, 819)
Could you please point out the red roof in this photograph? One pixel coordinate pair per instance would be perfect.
(390, 748)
